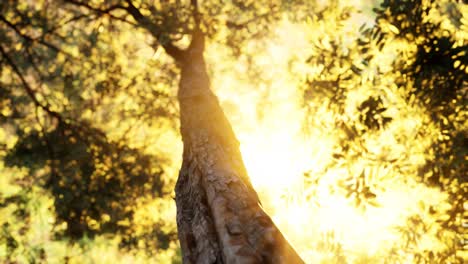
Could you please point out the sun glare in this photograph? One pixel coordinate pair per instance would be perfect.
(350, 118)
(278, 152)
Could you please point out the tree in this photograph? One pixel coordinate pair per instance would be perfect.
(219, 214)
(90, 148)
(220, 218)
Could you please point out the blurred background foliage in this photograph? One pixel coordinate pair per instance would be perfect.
(360, 107)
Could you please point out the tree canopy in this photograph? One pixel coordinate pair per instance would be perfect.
(352, 122)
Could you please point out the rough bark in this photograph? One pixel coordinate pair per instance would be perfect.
(219, 216)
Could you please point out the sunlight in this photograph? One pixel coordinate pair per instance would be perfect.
(350, 118)
(278, 152)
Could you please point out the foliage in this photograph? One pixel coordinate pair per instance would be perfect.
(89, 142)
(428, 71)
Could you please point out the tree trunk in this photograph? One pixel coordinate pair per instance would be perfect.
(219, 216)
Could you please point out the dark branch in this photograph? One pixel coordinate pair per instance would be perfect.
(234, 25)
(105, 11)
(156, 31)
(30, 39)
(196, 13)
(142, 21)
(197, 44)
(27, 87)
(63, 23)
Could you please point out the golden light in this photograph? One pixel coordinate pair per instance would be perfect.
(289, 143)
(269, 122)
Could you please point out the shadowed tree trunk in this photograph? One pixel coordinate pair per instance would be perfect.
(219, 216)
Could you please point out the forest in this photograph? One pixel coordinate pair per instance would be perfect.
(157, 131)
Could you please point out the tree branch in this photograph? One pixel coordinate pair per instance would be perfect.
(106, 11)
(61, 24)
(144, 22)
(234, 25)
(196, 13)
(28, 88)
(28, 38)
